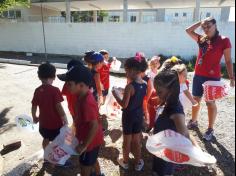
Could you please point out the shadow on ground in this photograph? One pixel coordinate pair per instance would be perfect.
(225, 159)
(2, 66)
(3, 119)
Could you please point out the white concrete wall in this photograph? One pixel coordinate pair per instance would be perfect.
(122, 40)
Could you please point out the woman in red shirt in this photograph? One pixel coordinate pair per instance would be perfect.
(212, 47)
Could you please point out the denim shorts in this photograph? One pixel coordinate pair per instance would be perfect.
(198, 81)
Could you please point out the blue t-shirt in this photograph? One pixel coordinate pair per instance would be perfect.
(135, 107)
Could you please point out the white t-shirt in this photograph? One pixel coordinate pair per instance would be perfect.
(151, 75)
(186, 103)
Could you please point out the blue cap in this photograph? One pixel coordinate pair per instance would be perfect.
(96, 57)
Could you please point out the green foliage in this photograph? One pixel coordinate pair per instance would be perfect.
(8, 4)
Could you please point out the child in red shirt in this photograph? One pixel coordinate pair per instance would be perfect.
(71, 99)
(96, 61)
(88, 129)
(105, 74)
(48, 99)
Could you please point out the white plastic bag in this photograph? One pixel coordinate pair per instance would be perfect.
(116, 64)
(215, 90)
(61, 149)
(175, 148)
(113, 109)
(25, 123)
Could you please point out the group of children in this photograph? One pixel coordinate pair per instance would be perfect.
(150, 97)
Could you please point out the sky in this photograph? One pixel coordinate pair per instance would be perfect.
(232, 14)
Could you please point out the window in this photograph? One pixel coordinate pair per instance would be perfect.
(176, 14)
(133, 19)
(184, 14)
(5, 14)
(12, 14)
(208, 14)
(114, 19)
(18, 14)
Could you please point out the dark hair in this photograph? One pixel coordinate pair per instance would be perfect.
(87, 57)
(169, 79)
(213, 21)
(46, 71)
(104, 52)
(133, 63)
(144, 65)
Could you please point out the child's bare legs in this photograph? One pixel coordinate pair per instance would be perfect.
(196, 109)
(136, 142)
(212, 113)
(97, 168)
(45, 143)
(104, 99)
(126, 147)
(86, 170)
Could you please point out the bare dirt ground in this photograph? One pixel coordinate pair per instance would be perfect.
(17, 84)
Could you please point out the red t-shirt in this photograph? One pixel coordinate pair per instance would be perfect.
(211, 63)
(87, 111)
(46, 97)
(105, 75)
(71, 99)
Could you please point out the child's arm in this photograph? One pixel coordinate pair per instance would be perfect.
(127, 94)
(179, 121)
(93, 129)
(62, 113)
(33, 112)
(190, 97)
(145, 104)
(99, 87)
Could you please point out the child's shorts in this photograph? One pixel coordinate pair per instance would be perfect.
(49, 134)
(105, 92)
(162, 167)
(198, 81)
(132, 125)
(89, 158)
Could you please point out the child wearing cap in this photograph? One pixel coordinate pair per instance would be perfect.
(105, 74)
(96, 61)
(88, 129)
(71, 99)
(48, 99)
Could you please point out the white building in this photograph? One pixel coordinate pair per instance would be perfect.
(127, 10)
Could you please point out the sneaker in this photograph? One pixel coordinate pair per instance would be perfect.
(125, 166)
(208, 136)
(192, 125)
(140, 166)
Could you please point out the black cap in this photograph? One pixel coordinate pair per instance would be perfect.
(73, 63)
(78, 74)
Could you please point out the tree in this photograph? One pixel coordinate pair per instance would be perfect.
(7, 4)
